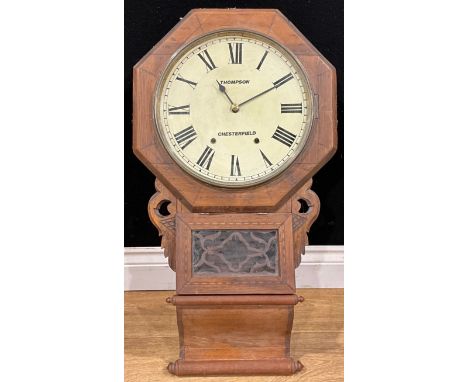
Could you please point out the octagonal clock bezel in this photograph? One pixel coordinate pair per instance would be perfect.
(195, 194)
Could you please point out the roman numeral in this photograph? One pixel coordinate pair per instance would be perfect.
(265, 159)
(261, 61)
(205, 57)
(179, 109)
(206, 158)
(185, 137)
(283, 80)
(291, 108)
(284, 136)
(236, 53)
(191, 83)
(235, 168)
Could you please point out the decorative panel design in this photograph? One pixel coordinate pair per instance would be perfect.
(164, 219)
(235, 252)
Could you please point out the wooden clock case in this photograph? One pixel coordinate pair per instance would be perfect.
(234, 325)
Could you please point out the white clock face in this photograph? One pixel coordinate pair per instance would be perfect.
(233, 108)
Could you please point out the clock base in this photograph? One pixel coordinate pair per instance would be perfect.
(280, 366)
(234, 335)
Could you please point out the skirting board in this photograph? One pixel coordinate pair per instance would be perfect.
(146, 268)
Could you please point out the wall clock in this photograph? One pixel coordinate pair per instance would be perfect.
(234, 112)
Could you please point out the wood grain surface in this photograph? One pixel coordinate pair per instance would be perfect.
(151, 338)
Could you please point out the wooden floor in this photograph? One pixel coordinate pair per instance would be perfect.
(151, 338)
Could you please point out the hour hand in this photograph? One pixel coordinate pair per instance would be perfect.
(222, 88)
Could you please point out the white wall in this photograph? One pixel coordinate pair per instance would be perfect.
(146, 268)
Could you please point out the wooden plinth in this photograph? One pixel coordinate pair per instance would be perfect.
(282, 366)
(235, 335)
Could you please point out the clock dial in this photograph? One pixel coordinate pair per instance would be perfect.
(233, 108)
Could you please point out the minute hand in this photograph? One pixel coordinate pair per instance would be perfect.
(258, 95)
(276, 85)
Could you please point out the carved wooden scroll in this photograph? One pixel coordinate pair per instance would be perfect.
(162, 211)
(305, 209)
